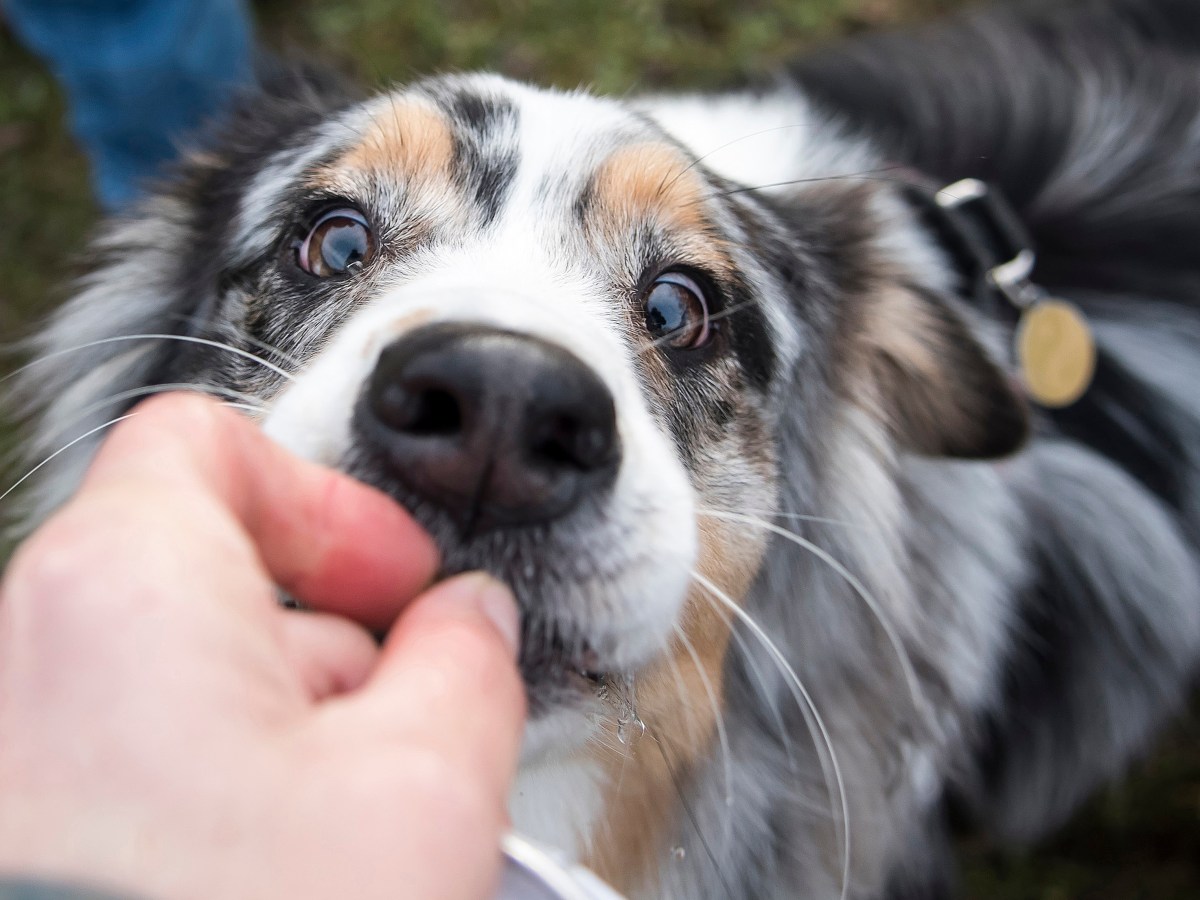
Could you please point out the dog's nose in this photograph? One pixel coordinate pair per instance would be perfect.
(497, 428)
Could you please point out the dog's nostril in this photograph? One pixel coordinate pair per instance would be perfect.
(438, 412)
(428, 411)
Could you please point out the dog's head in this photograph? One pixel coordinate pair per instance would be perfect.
(529, 318)
(580, 355)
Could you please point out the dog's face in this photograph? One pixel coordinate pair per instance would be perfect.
(568, 346)
(533, 320)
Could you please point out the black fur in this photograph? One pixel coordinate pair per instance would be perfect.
(1002, 96)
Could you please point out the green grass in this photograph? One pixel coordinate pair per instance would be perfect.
(1140, 840)
(610, 45)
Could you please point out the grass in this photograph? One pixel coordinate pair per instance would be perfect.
(1139, 840)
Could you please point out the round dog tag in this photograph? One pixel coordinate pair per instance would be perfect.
(1056, 352)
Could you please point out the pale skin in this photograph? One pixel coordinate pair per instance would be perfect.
(167, 729)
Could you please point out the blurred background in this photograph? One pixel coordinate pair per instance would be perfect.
(1139, 841)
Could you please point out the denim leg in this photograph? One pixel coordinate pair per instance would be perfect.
(139, 75)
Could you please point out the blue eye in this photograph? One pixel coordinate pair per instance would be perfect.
(676, 312)
(338, 243)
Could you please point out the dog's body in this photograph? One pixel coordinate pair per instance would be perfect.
(794, 360)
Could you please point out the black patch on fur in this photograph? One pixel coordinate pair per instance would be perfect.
(281, 114)
(790, 249)
(1034, 676)
(477, 114)
(585, 203)
(748, 336)
(997, 96)
(485, 147)
(1129, 423)
(937, 887)
(1054, 702)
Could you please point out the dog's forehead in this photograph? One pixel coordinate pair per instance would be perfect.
(496, 146)
(468, 151)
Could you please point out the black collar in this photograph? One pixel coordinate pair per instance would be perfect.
(983, 238)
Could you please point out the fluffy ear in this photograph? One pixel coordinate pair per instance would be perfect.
(932, 383)
(156, 270)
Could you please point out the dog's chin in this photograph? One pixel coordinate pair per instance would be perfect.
(558, 673)
(557, 679)
(568, 707)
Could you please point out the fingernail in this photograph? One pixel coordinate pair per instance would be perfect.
(498, 604)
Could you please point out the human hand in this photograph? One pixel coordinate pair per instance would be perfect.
(167, 729)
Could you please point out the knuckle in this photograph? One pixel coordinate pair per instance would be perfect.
(50, 569)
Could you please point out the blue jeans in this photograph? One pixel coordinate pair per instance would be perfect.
(139, 75)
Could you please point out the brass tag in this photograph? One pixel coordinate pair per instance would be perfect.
(1056, 352)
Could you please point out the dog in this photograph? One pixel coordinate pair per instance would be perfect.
(810, 561)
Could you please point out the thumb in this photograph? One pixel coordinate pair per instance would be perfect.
(447, 679)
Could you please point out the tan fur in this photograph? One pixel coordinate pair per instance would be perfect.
(897, 333)
(655, 182)
(901, 328)
(648, 770)
(408, 147)
(408, 140)
(651, 179)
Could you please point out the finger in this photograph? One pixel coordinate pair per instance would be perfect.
(336, 544)
(447, 679)
(331, 655)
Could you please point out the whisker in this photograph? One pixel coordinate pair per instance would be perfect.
(752, 659)
(666, 338)
(62, 450)
(666, 185)
(244, 407)
(865, 175)
(719, 718)
(149, 337)
(920, 703)
(764, 693)
(798, 517)
(801, 692)
(681, 692)
(687, 808)
(195, 321)
(248, 401)
(286, 357)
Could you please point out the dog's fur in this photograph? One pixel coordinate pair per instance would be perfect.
(972, 620)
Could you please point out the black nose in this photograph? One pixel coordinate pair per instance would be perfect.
(496, 428)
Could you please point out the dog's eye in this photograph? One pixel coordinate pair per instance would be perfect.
(676, 314)
(338, 243)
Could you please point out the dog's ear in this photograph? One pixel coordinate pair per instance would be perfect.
(157, 270)
(931, 382)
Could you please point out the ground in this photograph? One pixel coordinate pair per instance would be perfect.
(1141, 840)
